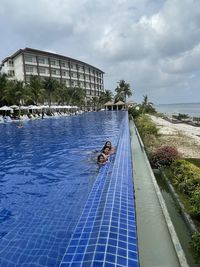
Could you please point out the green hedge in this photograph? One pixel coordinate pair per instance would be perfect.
(186, 177)
(146, 126)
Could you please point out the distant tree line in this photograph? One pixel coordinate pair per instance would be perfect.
(48, 90)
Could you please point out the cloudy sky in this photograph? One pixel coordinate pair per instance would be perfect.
(152, 44)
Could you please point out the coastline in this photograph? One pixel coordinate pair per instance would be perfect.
(186, 138)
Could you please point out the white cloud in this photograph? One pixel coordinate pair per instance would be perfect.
(154, 45)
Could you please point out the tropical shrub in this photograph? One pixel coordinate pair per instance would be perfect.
(164, 156)
(196, 242)
(185, 175)
(145, 126)
(195, 202)
(134, 112)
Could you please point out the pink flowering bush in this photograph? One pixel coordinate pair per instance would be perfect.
(164, 156)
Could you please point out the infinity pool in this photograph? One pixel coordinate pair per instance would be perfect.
(47, 170)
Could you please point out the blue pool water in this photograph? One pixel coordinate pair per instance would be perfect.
(47, 170)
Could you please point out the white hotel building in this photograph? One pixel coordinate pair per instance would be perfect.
(71, 72)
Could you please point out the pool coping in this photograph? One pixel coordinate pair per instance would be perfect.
(177, 246)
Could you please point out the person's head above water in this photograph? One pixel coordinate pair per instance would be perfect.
(101, 159)
(106, 150)
(108, 144)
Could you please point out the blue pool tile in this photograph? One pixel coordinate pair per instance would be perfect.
(107, 228)
(88, 256)
(99, 256)
(110, 257)
(108, 264)
(122, 252)
(80, 249)
(68, 257)
(97, 264)
(75, 264)
(101, 248)
(121, 261)
(111, 249)
(133, 263)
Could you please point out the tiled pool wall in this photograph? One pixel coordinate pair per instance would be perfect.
(106, 232)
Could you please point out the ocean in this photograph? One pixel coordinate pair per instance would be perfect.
(191, 109)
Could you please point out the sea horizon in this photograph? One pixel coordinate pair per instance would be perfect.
(190, 109)
(181, 103)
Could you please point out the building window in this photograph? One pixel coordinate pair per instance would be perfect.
(64, 73)
(11, 73)
(29, 69)
(55, 72)
(64, 64)
(42, 70)
(42, 60)
(10, 63)
(30, 59)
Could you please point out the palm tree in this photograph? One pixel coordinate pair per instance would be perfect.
(95, 102)
(50, 86)
(36, 90)
(123, 90)
(146, 106)
(76, 96)
(3, 84)
(62, 94)
(105, 97)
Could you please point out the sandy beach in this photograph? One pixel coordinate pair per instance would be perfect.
(184, 137)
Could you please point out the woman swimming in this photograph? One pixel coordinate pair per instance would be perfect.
(106, 152)
(109, 145)
(101, 159)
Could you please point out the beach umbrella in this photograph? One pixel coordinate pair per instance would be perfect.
(14, 107)
(23, 107)
(6, 108)
(33, 107)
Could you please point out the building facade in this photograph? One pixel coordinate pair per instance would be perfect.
(68, 71)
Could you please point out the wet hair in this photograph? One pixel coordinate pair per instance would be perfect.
(99, 156)
(105, 148)
(106, 143)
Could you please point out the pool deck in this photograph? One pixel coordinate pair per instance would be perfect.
(106, 233)
(157, 240)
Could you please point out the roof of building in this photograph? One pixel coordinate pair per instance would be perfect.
(40, 52)
(119, 103)
(109, 103)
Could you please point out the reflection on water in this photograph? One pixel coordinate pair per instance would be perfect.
(47, 169)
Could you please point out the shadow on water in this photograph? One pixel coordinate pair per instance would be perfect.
(181, 228)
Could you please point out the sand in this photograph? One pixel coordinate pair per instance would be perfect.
(186, 138)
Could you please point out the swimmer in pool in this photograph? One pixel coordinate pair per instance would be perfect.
(101, 159)
(106, 152)
(109, 145)
(20, 126)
